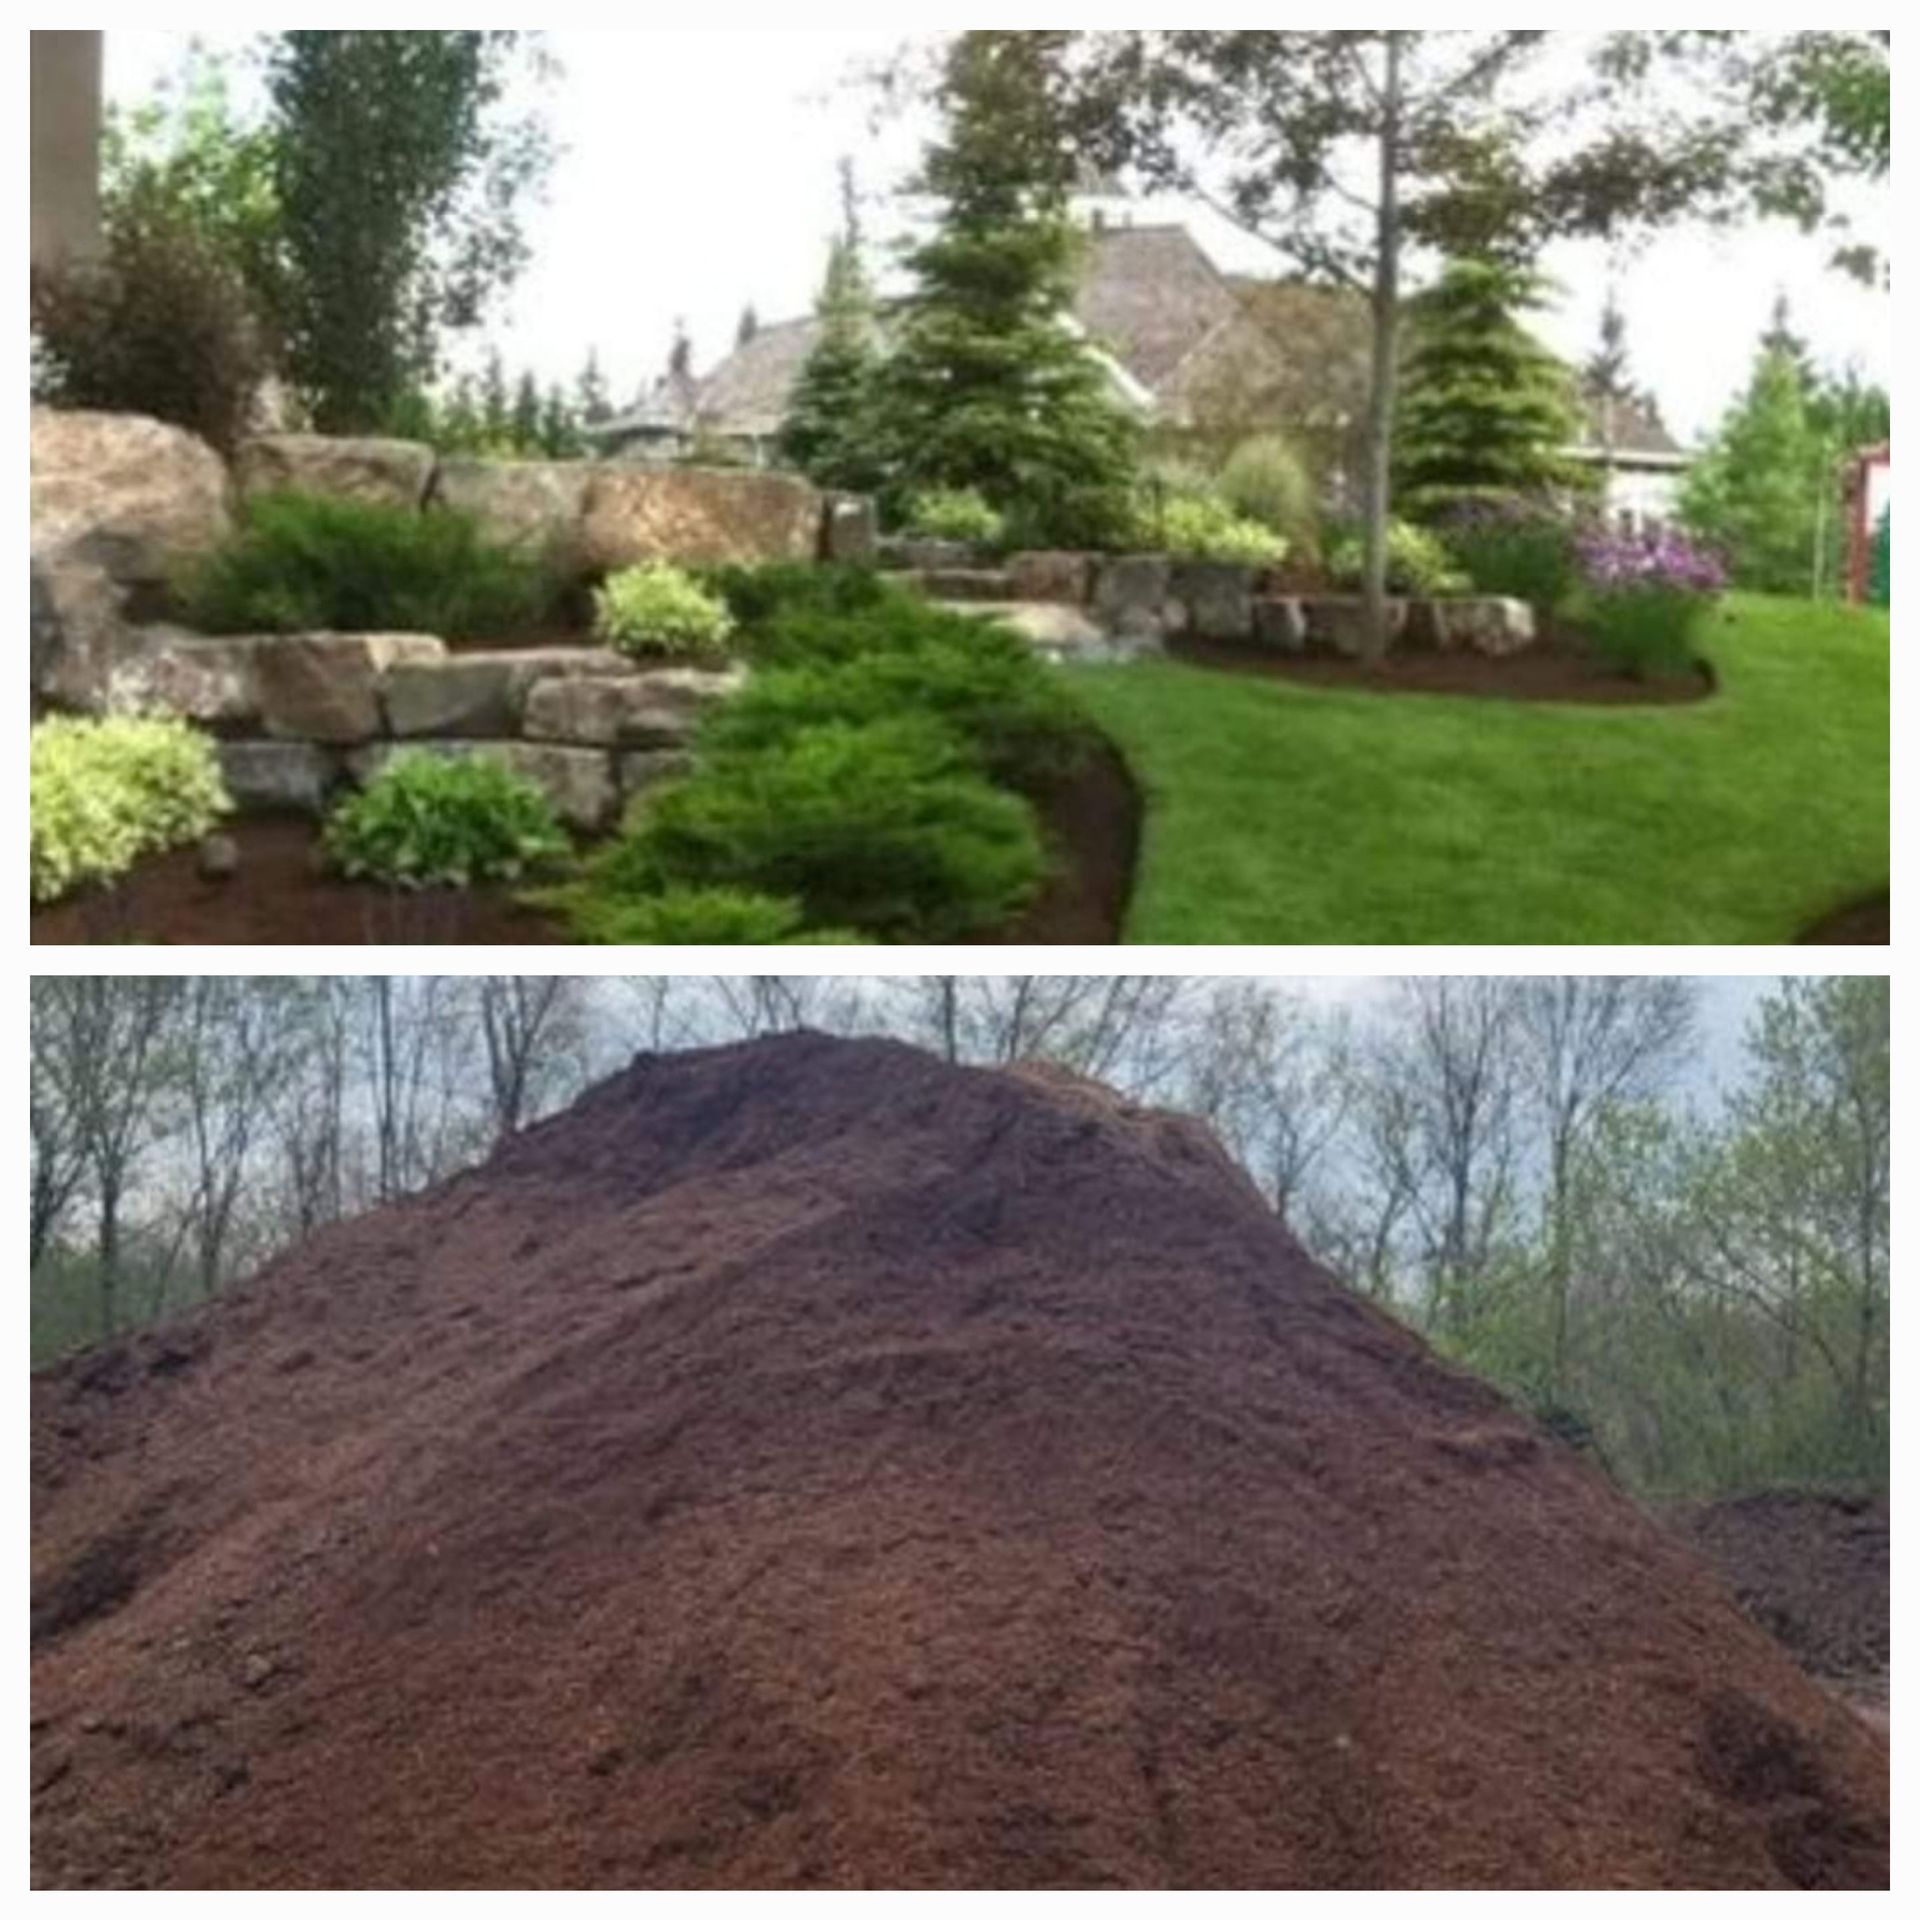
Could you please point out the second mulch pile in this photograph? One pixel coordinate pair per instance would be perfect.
(811, 1464)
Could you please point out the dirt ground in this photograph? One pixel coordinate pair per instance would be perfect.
(809, 1464)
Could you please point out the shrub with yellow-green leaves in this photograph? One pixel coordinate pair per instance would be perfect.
(104, 793)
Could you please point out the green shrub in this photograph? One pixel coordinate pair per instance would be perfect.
(883, 828)
(904, 626)
(1518, 549)
(1203, 527)
(1020, 723)
(757, 595)
(1417, 561)
(657, 609)
(955, 513)
(103, 793)
(433, 820)
(164, 325)
(697, 917)
(303, 563)
(1266, 482)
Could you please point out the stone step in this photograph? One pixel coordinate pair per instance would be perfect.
(964, 584)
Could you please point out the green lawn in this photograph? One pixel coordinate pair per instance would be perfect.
(1289, 814)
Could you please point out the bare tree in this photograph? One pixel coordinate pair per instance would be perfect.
(531, 1023)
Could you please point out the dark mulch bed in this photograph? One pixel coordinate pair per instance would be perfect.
(1092, 820)
(280, 896)
(1555, 670)
(1867, 923)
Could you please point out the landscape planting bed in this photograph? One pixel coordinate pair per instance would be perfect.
(811, 1464)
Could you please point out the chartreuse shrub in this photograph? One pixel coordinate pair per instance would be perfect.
(657, 609)
(433, 820)
(884, 828)
(1205, 527)
(1015, 717)
(700, 917)
(1418, 561)
(103, 793)
(1264, 480)
(304, 563)
(955, 513)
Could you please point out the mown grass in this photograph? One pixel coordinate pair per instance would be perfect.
(1292, 814)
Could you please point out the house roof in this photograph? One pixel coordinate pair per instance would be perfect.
(1629, 426)
(749, 391)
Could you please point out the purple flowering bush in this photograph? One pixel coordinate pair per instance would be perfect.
(1645, 596)
(1517, 548)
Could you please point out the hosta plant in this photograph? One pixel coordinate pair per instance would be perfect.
(657, 609)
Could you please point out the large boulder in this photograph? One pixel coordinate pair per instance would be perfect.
(536, 504)
(1063, 577)
(80, 633)
(658, 709)
(1214, 598)
(698, 517)
(393, 473)
(279, 776)
(1480, 624)
(208, 681)
(326, 686)
(1130, 595)
(851, 530)
(482, 695)
(1338, 623)
(1280, 623)
(131, 496)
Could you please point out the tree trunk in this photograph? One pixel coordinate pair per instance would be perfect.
(1386, 355)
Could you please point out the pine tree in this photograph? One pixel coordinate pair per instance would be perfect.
(828, 431)
(460, 418)
(1765, 490)
(590, 397)
(749, 327)
(496, 408)
(524, 427)
(1486, 412)
(989, 386)
(560, 437)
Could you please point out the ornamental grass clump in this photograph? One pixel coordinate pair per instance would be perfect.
(656, 609)
(1519, 549)
(1645, 597)
(103, 793)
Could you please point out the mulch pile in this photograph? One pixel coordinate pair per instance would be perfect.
(809, 1464)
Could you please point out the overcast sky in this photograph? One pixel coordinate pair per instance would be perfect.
(698, 175)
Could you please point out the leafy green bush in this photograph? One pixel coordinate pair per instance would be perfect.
(432, 820)
(1266, 482)
(1518, 549)
(1204, 527)
(164, 325)
(955, 513)
(757, 595)
(905, 625)
(1417, 561)
(103, 793)
(883, 828)
(307, 563)
(657, 609)
(1016, 715)
(698, 917)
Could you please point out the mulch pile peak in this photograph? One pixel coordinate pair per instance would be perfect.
(811, 1464)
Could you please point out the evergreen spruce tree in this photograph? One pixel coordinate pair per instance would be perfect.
(496, 406)
(1486, 412)
(525, 424)
(749, 326)
(828, 432)
(460, 418)
(591, 400)
(560, 437)
(1766, 488)
(988, 385)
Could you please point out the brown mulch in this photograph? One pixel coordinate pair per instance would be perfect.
(1812, 1568)
(1868, 923)
(1092, 821)
(809, 1464)
(281, 896)
(1559, 670)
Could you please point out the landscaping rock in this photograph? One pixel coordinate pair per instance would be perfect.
(638, 772)
(392, 473)
(1280, 624)
(80, 633)
(657, 709)
(478, 696)
(578, 780)
(1340, 623)
(849, 530)
(1130, 593)
(1216, 599)
(278, 776)
(326, 686)
(217, 857)
(1063, 577)
(210, 682)
(917, 553)
(697, 517)
(1047, 625)
(537, 504)
(124, 493)
(964, 585)
(1494, 627)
